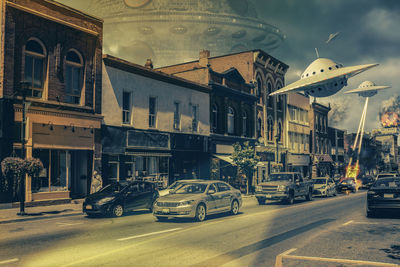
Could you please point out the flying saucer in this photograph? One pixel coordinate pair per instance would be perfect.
(323, 78)
(367, 89)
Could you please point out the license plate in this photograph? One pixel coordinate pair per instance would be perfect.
(388, 195)
(89, 207)
(165, 210)
(268, 196)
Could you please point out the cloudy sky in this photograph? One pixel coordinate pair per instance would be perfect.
(368, 33)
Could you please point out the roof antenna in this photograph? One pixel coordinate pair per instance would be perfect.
(316, 51)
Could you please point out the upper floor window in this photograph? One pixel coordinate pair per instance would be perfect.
(231, 121)
(259, 127)
(177, 116)
(195, 118)
(270, 98)
(35, 54)
(73, 81)
(214, 118)
(270, 125)
(126, 107)
(279, 133)
(259, 93)
(152, 112)
(280, 99)
(244, 123)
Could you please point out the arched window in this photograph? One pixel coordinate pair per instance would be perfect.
(279, 100)
(35, 54)
(317, 145)
(279, 131)
(259, 127)
(270, 125)
(73, 81)
(214, 117)
(244, 123)
(231, 121)
(270, 98)
(259, 93)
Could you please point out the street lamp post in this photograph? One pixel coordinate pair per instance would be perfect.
(277, 138)
(25, 105)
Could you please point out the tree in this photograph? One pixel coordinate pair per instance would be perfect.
(244, 156)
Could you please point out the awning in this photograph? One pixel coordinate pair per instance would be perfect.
(225, 158)
(148, 154)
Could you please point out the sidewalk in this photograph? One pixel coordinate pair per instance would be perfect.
(41, 212)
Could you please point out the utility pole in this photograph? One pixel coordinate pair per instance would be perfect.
(25, 105)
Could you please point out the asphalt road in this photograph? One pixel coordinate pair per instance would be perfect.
(330, 228)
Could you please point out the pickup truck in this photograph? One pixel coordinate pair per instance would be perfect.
(284, 186)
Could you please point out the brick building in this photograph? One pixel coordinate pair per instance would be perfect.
(266, 73)
(53, 54)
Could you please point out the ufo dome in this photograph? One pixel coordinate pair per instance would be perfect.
(320, 65)
(366, 84)
(174, 31)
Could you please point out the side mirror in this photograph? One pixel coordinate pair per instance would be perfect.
(211, 191)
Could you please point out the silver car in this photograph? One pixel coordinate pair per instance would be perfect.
(174, 186)
(197, 199)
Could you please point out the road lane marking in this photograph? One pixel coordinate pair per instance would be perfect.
(278, 260)
(347, 223)
(148, 234)
(67, 224)
(110, 252)
(357, 262)
(9, 261)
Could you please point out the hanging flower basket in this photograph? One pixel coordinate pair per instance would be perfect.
(13, 166)
(33, 167)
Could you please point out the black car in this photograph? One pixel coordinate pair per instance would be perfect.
(347, 184)
(118, 197)
(367, 181)
(384, 194)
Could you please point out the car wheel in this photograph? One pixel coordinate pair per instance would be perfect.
(200, 213)
(234, 207)
(290, 200)
(261, 201)
(370, 213)
(117, 210)
(161, 219)
(309, 195)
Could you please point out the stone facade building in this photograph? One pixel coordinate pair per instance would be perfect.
(156, 126)
(53, 54)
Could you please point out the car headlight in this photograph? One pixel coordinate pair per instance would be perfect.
(185, 203)
(258, 188)
(282, 188)
(105, 200)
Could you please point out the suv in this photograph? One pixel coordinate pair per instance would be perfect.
(386, 175)
(284, 186)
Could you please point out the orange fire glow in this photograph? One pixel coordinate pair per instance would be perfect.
(390, 119)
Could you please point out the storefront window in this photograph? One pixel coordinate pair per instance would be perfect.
(113, 164)
(151, 166)
(129, 167)
(55, 175)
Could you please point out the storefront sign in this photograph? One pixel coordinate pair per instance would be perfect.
(299, 160)
(141, 139)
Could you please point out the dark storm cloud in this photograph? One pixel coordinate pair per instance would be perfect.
(369, 33)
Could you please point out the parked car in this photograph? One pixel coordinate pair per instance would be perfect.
(324, 187)
(284, 186)
(385, 175)
(197, 199)
(173, 186)
(118, 197)
(384, 194)
(367, 181)
(348, 184)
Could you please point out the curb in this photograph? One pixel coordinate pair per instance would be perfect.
(39, 218)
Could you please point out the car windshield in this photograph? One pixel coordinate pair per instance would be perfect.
(175, 185)
(112, 188)
(395, 182)
(385, 175)
(280, 177)
(348, 181)
(319, 181)
(191, 188)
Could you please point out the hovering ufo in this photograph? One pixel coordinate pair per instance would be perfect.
(332, 36)
(367, 89)
(323, 78)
